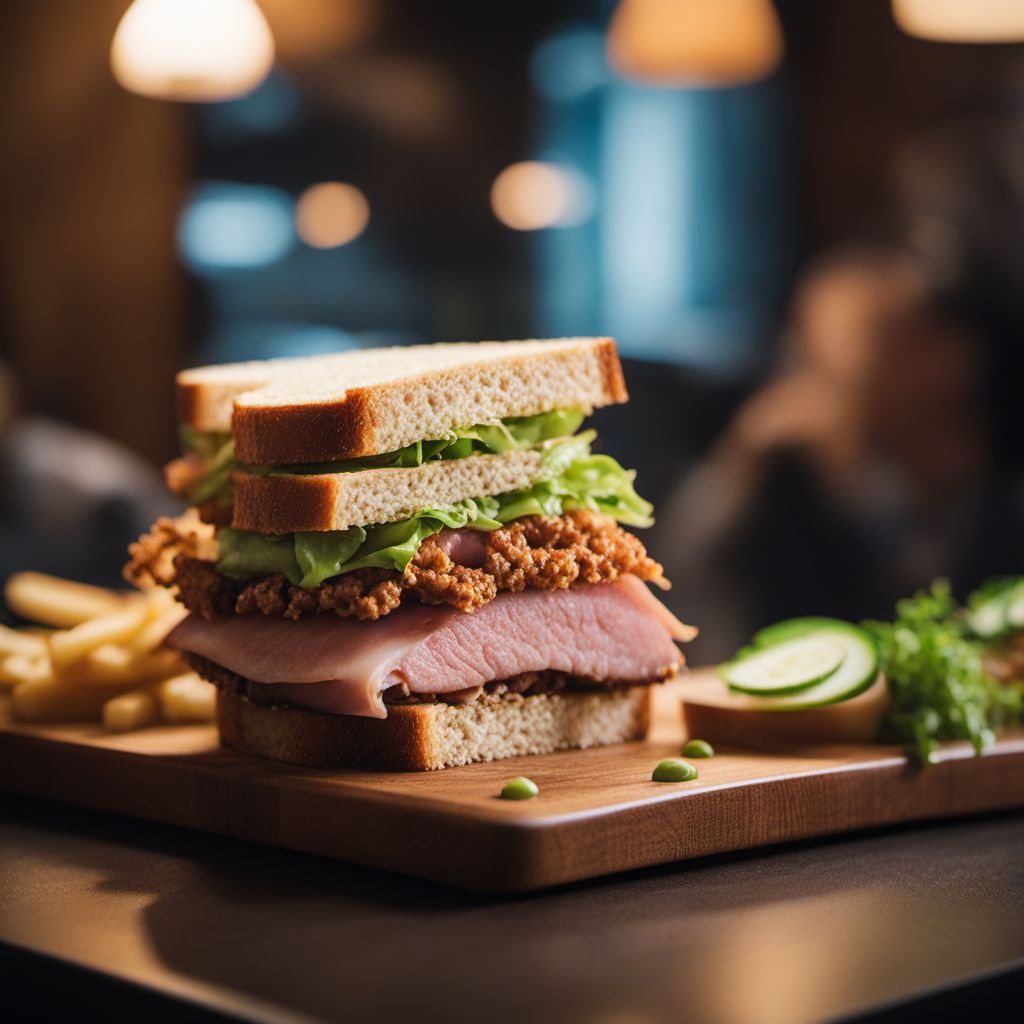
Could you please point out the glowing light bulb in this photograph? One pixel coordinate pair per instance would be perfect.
(962, 21)
(199, 50)
(532, 195)
(695, 42)
(331, 214)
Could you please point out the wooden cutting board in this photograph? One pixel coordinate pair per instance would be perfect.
(598, 811)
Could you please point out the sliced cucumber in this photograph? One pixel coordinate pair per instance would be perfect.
(989, 618)
(856, 670)
(789, 628)
(1015, 608)
(786, 667)
(999, 611)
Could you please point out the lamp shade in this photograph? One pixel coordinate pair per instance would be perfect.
(695, 42)
(198, 50)
(962, 21)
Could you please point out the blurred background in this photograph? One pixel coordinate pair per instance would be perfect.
(803, 222)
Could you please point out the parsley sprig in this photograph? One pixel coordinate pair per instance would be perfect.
(937, 681)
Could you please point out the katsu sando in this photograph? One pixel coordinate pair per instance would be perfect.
(411, 558)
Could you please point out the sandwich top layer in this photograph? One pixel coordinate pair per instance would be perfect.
(368, 402)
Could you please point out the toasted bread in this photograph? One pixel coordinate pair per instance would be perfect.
(336, 501)
(425, 737)
(368, 402)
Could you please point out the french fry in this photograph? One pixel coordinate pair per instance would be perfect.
(154, 632)
(57, 602)
(186, 698)
(133, 710)
(99, 655)
(114, 663)
(108, 663)
(114, 628)
(51, 700)
(22, 668)
(13, 641)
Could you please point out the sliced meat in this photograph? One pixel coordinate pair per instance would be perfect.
(464, 547)
(614, 631)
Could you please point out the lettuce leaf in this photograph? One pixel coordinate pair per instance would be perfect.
(575, 479)
(307, 559)
(215, 483)
(203, 442)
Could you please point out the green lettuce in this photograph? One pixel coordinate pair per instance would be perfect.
(513, 434)
(509, 435)
(203, 442)
(575, 479)
(307, 559)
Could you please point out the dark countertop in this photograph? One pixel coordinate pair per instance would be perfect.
(805, 932)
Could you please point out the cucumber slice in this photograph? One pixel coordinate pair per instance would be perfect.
(786, 667)
(1000, 611)
(989, 618)
(854, 674)
(1015, 608)
(789, 628)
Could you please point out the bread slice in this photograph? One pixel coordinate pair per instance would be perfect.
(372, 401)
(336, 501)
(425, 737)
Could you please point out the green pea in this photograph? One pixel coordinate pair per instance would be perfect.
(674, 770)
(519, 788)
(698, 748)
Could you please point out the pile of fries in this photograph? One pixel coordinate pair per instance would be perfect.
(97, 655)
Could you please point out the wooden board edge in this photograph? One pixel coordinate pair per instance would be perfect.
(520, 854)
(767, 812)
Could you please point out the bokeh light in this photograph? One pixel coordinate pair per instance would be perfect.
(570, 64)
(198, 50)
(533, 194)
(955, 21)
(227, 226)
(695, 42)
(330, 214)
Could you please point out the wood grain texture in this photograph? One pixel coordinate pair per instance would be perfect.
(598, 812)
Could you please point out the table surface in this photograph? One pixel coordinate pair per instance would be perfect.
(804, 932)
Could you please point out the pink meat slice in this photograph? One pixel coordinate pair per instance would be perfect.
(615, 631)
(464, 547)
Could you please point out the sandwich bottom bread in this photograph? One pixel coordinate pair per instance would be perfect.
(524, 716)
(429, 736)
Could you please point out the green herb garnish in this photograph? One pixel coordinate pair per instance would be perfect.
(938, 685)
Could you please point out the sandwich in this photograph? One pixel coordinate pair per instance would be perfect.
(411, 558)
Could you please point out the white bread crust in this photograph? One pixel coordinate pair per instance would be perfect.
(378, 400)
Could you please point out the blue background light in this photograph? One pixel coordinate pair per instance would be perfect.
(227, 226)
